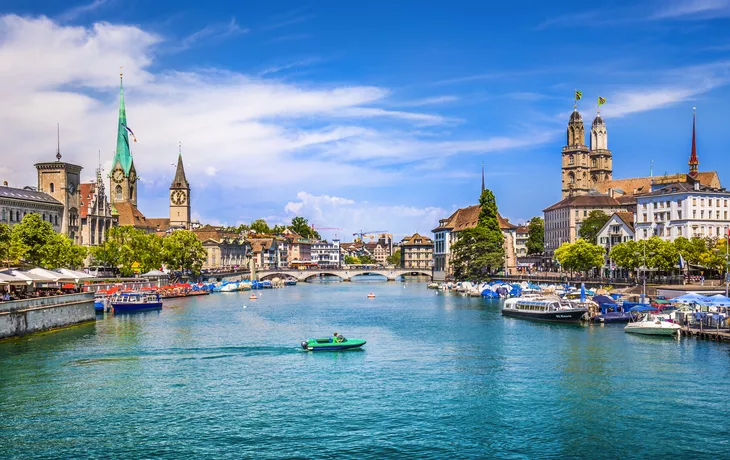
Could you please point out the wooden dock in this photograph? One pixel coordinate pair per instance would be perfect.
(717, 335)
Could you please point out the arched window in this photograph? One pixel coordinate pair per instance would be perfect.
(571, 178)
(594, 179)
(594, 162)
(131, 191)
(118, 191)
(17, 216)
(56, 220)
(44, 217)
(3, 215)
(571, 160)
(53, 187)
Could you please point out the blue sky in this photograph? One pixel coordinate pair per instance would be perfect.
(375, 116)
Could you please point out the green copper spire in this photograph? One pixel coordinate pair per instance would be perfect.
(123, 155)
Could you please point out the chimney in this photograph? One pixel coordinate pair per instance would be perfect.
(697, 186)
(611, 193)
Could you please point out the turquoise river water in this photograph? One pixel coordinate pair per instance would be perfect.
(441, 376)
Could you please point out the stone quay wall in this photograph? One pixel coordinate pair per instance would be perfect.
(20, 317)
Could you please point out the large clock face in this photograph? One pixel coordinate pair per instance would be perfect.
(178, 197)
(71, 188)
(118, 175)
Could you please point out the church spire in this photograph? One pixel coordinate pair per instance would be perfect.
(180, 181)
(482, 177)
(123, 156)
(694, 163)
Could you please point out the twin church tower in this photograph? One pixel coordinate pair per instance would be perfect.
(123, 190)
(585, 167)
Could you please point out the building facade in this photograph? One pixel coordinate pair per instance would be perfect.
(265, 253)
(225, 250)
(61, 181)
(618, 229)
(15, 203)
(96, 212)
(326, 254)
(683, 209)
(180, 198)
(583, 167)
(563, 219)
(416, 252)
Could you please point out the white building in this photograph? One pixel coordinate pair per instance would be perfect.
(618, 229)
(326, 254)
(683, 209)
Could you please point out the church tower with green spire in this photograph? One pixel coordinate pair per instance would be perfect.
(123, 175)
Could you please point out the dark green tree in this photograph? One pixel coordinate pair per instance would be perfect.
(479, 251)
(592, 225)
(394, 259)
(5, 240)
(367, 259)
(182, 250)
(536, 236)
(126, 246)
(260, 226)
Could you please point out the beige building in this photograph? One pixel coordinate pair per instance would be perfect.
(416, 252)
(563, 219)
(17, 202)
(378, 251)
(298, 248)
(225, 249)
(265, 252)
(447, 233)
(61, 181)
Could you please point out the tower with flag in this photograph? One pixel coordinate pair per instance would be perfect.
(123, 174)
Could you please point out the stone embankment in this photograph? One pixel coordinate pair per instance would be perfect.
(22, 317)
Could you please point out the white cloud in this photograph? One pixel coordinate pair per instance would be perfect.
(428, 101)
(694, 9)
(354, 216)
(77, 11)
(213, 32)
(239, 131)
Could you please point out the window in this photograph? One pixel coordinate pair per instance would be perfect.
(679, 214)
(17, 216)
(702, 213)
(3, 215)
(119, 192)
(694, 201)
(56, 220)
(52, 187)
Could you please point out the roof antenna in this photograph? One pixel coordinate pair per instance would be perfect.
(58, 138)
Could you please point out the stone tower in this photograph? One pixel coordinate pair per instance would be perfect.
(576, 167)
(123, 187)
(61, 181)
(180, 198)
(601, 156)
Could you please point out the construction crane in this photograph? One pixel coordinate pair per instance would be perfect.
(360, 234)
(317, 229)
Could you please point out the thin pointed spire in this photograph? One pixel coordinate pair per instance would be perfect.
(58, 141)
(694, 163)
(483, 178)
(123, 155)
(180, 181)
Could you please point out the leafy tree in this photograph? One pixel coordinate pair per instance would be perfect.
(300, 226)
(627, 255)
(5, 240)
(125, 246)
(536, 236)
(691, 250)
(351, 260)
(592, 225)
(61, 252)
(660, 254)
(367, 259)
(34, 241)
(183, 251)
(394, 259)
(278, 229)
(260, 226)
(580, 256)
(714, 257)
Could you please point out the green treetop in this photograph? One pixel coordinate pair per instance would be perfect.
(536, 236)
(592, 225)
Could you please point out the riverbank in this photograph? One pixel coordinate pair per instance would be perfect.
(21, 317)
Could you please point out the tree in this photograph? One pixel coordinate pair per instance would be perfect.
(183, 251)
(394, 259)
(34, 241)
(126, 246)
(5, 239)
(278, 229)
(351, 260)
(660, 254)
(691, 250)
(367, 259)
(536, 236)
(580, 256)
(260, 226)
(626, 255)
(592, 225)
(300, 226)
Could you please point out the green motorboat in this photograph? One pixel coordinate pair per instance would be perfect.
(332, 344)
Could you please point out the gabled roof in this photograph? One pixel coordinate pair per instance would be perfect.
(417, 240)
(683, 187)
(468, 217)
(642, 185)
(627, 218)
(130, 215)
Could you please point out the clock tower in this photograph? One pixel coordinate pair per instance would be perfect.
(180, 198)
(123, 174)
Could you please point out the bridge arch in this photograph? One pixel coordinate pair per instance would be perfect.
(280, 275)
(309, 276)
(410, 272)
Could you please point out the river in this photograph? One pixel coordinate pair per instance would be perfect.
(440, 376)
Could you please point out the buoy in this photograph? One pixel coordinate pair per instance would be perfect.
(244, 306)
(371, 296)
(252, 297)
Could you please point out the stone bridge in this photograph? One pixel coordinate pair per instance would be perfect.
(346, 274)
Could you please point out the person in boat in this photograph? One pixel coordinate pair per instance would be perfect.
(334, 338)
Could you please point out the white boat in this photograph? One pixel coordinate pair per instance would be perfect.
(652, 325)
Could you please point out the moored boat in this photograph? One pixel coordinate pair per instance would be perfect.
(135, 301)
(328, 344)
(652, 325)
(543, 309)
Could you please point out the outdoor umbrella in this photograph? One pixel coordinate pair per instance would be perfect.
(73, 274)
(53, 276)
(29, 277)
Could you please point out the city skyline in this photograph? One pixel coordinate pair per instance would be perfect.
(285, 111)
